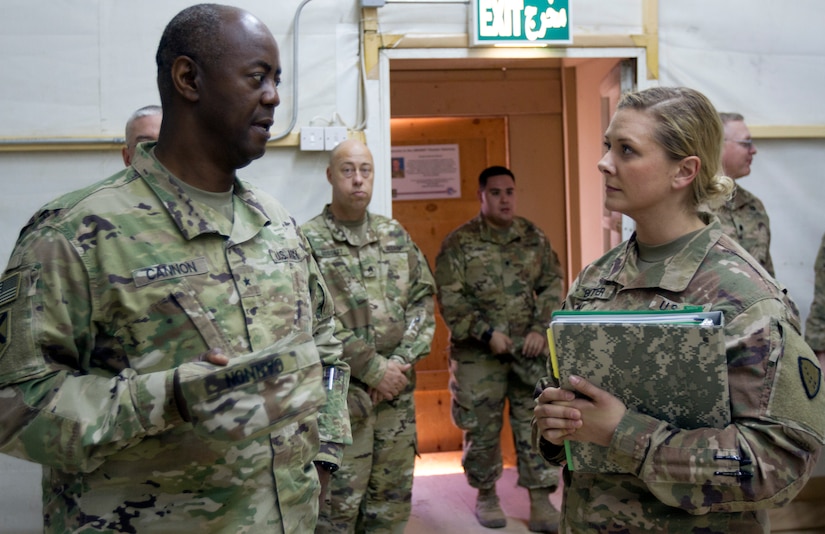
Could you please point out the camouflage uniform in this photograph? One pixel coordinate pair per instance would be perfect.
(383, 292)
(112, 288)
(744, 218)
(815, 324)
(510, 280)
(704, 480)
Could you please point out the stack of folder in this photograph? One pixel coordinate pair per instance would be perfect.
(669, 365)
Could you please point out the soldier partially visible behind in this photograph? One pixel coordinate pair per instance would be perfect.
(143, 125)
(661, 163)
(498, 283)
(383, 292)
(815, 324)
(743, 216)
(164, 330)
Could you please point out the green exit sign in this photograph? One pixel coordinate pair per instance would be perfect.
(519, 22)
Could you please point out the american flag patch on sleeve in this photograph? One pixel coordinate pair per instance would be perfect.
(9, 287)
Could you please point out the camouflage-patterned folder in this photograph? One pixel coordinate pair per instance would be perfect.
(670, 365)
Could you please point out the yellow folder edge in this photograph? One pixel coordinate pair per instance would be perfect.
(554, 363)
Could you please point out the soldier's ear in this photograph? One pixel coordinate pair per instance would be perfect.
(686, 171)
(186, 78)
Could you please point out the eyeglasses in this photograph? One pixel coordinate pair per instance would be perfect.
(747, 143)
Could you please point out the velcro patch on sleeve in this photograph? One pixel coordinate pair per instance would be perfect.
(796, 398)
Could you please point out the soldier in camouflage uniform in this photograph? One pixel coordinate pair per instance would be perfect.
(498, 283)
(383, 293)
(815, 325)
(164, 331)
(143, 125)
(743, 216)
(710, 480)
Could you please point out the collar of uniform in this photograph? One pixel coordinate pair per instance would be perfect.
(740, 198)
(340, 232)
(494, 235)
(673, 274)
(187, 213)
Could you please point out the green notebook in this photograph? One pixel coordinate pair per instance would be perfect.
(670, 365)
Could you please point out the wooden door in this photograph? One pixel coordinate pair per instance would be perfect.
(482, 142)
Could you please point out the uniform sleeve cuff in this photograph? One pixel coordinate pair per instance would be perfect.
(331, 453)
(374, 371)
(154, 400)
(631, 441)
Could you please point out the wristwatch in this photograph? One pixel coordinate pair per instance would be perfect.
(487, 335)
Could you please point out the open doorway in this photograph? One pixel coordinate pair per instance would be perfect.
(480, 142)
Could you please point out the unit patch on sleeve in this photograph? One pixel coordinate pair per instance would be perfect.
(811, 376)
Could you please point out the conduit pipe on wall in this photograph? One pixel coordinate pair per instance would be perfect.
(44, 144)
(295, 40)
(79, 144)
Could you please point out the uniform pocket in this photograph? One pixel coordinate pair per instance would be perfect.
(176, 325)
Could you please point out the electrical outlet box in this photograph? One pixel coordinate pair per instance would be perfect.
(312, 138)
(334, 135)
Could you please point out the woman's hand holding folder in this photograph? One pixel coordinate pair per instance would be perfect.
(562, 415)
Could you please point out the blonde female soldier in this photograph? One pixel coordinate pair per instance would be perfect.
(662, 163)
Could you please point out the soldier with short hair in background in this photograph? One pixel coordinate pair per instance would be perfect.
(743, 216)
(166, 332)
(384, 313)
(498, 283)
(142, 126)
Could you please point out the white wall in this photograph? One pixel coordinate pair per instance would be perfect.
(78, 68)
(736, 53)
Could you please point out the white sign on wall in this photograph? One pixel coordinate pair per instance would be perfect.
(519, 22)
(425, 171)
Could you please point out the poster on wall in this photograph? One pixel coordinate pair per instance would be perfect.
(425, 171)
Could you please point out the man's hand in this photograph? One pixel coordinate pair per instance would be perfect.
(535, 345)
(393, 382)
(560, 415)
(501, 343)
(213, 356)
(324, 476)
